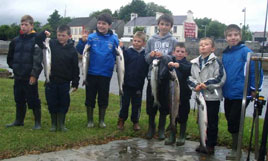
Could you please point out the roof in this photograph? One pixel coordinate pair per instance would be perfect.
(151, 21)
(116, 23)
(81, 21)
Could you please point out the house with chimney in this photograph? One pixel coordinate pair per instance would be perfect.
(184, 26)
(82, 25)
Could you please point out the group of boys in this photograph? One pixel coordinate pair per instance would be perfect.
(205, 74)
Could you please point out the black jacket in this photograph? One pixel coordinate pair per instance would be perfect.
(64, 63)
(183, 72)
(24, 57)
(136, 68)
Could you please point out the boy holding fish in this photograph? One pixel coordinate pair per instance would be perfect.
(136, 69)
(183, 70)
(64, 70)
(103, 44)
(25, 61)
(207, 78)
(158, 53)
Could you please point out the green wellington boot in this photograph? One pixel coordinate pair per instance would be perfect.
(151, 128)
(181, 139)
(61, 122)
(161, 127)
(53, 122)
(90, 112)
(37, 119)
(232, 154)
(101, 117)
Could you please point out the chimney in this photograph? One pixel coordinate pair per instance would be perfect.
(190, 17)
(133, 16)
(158, 14)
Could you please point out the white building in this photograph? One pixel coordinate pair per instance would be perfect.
(183, 27)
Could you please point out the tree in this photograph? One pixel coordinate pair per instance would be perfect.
(216, 29)
(97, 13)
(3, 32)
(54, 22)
(138, 29)
(136, 6)
(246, 33)
(152, 8)
(37, 26)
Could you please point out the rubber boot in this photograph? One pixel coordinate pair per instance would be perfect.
(161, 127)
(20, 115)
(181, 139)
(151, 128)
(61, 122)
(172, 138)
(232, 154)
(90, 122)
(101, 117)
(53, 122)
(37, 118)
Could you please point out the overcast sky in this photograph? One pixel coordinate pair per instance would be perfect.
(225, 11)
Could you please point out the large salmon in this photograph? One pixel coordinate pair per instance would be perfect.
(120, 69)
(47, 59)
(85, 63)
(174, 98)
(154, 81)
(202, 118)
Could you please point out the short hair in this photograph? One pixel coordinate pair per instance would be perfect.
(232, 27)
(106, 18)
(140, 35)
(181, 45)
(27, 18)
(166, 18)
(210, 39)
(63, 28)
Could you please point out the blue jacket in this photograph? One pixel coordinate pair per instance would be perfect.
(102, 53)
(136, 68)
(80, 46)
(234, 61)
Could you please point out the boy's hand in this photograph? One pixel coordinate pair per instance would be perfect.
(170, 64)
(32, 80)
(84, 37)
(198, 88)
(253, 94)
(47, 33)
(203, 86)
(152, 54)
(121, 44)
(73, 89)
(175, 65)
(158, 54)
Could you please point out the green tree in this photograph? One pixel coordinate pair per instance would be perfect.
(216, 29)
(202, 24)
(54, 21)
(37, 26)
(14, 31)
(136, 6)
(246, 33)
(152, 8)
(3, 32)
(97, 13)
(138, 29)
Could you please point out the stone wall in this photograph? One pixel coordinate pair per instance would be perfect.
(4, 47)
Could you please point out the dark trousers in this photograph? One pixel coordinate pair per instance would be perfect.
(134, 96)
(163, 91)
(97, 85)
(25, 93)
(213, 120)
(184, 110)
(58, 97)
(232, 109)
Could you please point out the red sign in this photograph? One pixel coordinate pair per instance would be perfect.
(189, 30)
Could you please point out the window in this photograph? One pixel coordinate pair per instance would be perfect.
(80, 31)
(129, 30)
(175, 29)
(155, 29)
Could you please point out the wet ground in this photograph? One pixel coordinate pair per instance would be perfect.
(130, 150)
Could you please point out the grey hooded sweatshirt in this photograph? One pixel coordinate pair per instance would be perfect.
(164, 44)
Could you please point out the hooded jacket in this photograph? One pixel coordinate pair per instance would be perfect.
(234, 61)
(64, 63)
(165, 45)
(212, 74)
(136, 68)
(24, 57)
(102, 53)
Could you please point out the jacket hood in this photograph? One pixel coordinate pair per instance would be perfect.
(157, 37)
(240, 45)
(210, 57)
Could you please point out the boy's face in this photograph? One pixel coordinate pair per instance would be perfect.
(179, 53)
(137, 43)
(63, 37)
(233, 37)
(205, 47)
(164, 27)
(103, 27)
(26, 27)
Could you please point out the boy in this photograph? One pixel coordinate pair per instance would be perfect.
(183, 70)
(100, 70)
(159, 46)
(234, 61)
(64, 69)
(81, 43)
(25, 61)
(207, 76)
(136, 69)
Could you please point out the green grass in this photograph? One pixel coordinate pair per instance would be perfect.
(3, 70)
(23, 140)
